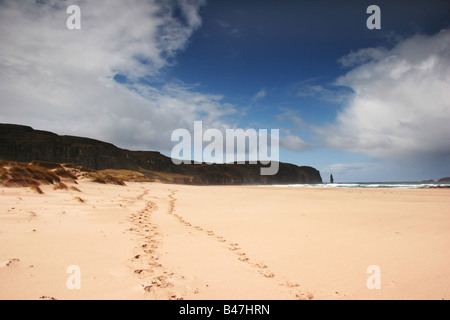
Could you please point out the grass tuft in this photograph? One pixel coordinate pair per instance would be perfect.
(36, 188)
(60, 186)
(73, 188)
(79, 199)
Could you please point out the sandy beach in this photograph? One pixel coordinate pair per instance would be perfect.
(160, 241)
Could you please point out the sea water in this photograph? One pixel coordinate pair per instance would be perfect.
(399, 185)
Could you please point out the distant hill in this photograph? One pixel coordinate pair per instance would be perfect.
(24, 144)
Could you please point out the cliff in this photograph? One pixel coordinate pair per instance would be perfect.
(24, 144)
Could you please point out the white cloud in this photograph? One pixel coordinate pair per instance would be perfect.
(294, 143)
(343, 168)
(291, 139)
(294, 117)
(334, 95)
(361, 56)
(60, 80)
(382, 170)
(229, 30)
(312, 88)
(401, 105)
(259, 95)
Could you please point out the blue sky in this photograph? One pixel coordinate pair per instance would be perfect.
(365, 105)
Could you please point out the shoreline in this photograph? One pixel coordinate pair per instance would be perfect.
(366, 185)
(162, 241)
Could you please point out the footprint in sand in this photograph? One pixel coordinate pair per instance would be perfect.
(8, 262)
(260, 266)
(291, 284)
(146, 261)
(267, 274)
(233, 246)
(47, 298)
(304, 296)
(175, 297)
(158, 282)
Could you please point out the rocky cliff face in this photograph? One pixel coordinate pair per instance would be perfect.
(24, 144)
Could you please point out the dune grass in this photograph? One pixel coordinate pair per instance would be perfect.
(36, 173)
(36, 189)
(60, 186)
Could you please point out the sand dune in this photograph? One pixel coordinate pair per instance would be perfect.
(159, 241)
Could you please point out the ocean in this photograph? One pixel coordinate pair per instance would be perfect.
(398, 185)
